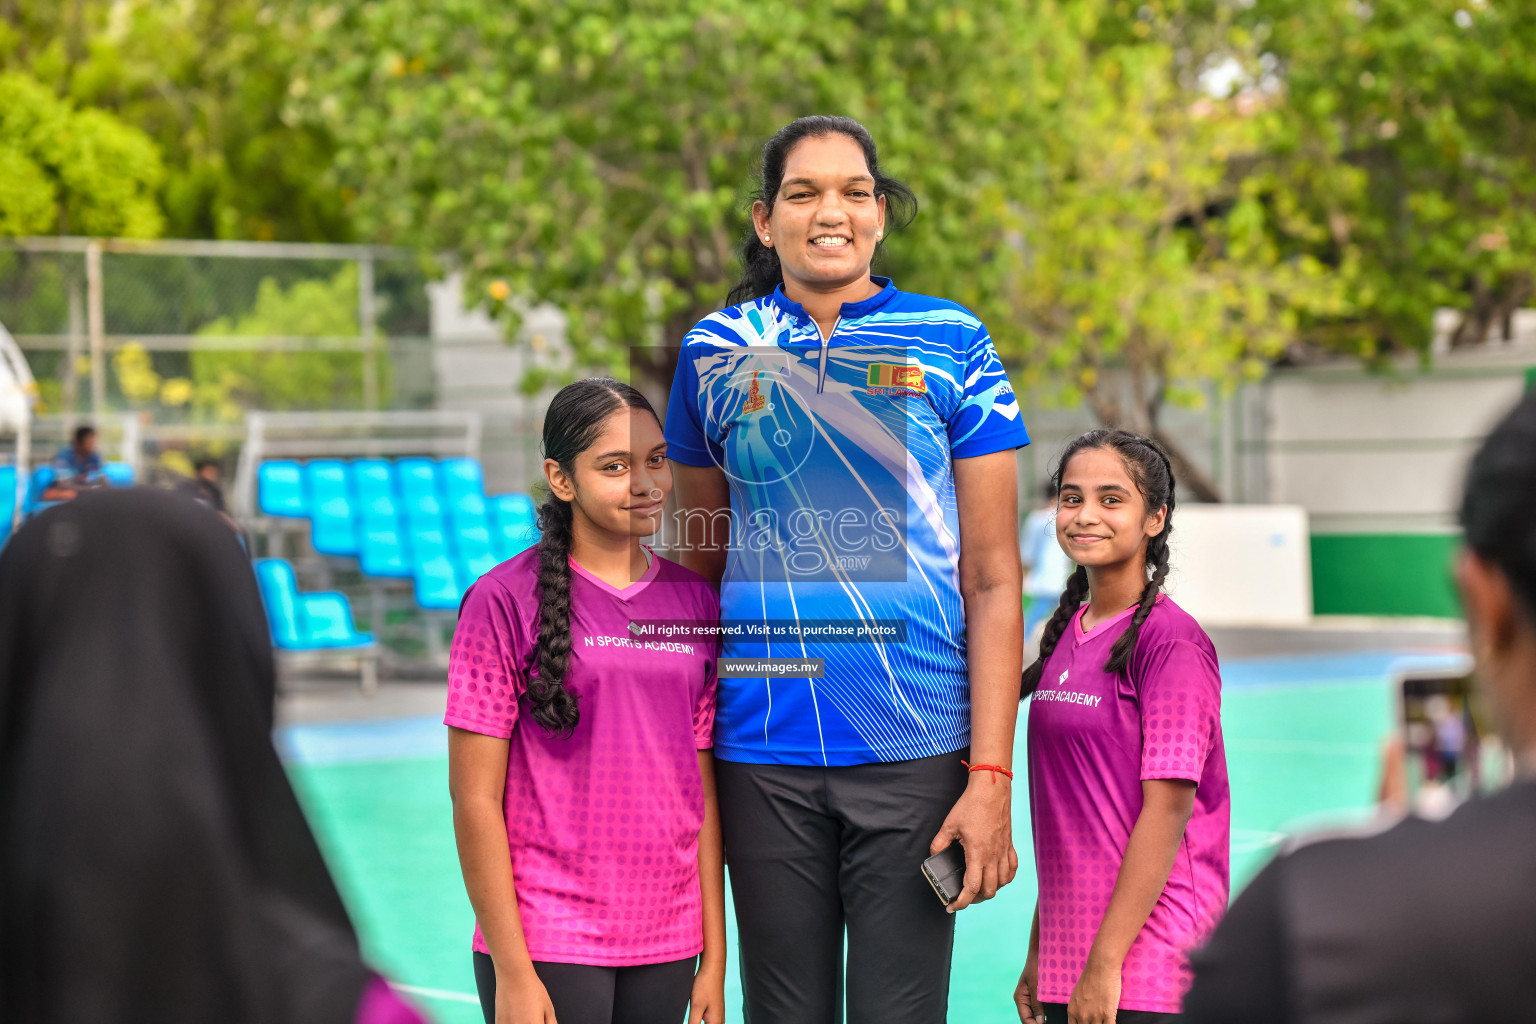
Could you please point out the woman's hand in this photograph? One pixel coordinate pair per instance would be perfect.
(707, 1003)
(1095, 996)
(522, 999)
(1027, 995)
(981, 822)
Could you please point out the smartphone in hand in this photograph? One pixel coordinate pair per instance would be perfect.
(945, 871)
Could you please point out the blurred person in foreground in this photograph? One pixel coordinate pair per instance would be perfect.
(154, 863)
(1428, 921)
(77, 467)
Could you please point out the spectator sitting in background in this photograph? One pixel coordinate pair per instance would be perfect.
(1428, 921)
(76, 467)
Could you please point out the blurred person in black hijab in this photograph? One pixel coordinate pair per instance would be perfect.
(1427, 922)
(154, 862)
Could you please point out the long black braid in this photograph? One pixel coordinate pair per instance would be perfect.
(571, 425)
(1150, 468)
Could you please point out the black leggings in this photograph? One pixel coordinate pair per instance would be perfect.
(582, 994)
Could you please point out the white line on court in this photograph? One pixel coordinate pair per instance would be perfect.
(436, 993)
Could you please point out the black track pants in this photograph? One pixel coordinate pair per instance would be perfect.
(816, 851)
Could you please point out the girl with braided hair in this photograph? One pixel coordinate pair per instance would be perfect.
(1127, 771)
(580, 745)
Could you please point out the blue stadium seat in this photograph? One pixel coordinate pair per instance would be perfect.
(331, 508)
(280, 489)
(419, 493)
(381, 541)
(464, 486)
(119, 474)
(305, 622)
(438, 585)
(516, 529)
(7, 501)
(42, 478)
(437, 578)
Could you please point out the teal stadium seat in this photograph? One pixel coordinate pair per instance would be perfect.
(305, 622)
(332, 512)
(280, 489)
(7, 501)
(464, 486)
(380, 537)
(436, 577)
(515, 522)
(119, 474)
(42, 478)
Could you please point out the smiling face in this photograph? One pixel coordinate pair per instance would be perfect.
(826, 219)
(1101, 517)
(621, 482)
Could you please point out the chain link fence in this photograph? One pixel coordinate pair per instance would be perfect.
(189, 336)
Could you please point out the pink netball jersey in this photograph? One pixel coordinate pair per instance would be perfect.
(1093, 738)
(604, 824)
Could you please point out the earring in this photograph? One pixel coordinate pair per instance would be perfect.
(879, 234)
(765, 239)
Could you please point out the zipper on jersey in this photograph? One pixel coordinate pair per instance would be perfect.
(821, 373)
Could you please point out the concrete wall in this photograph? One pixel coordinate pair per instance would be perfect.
(1378, 462)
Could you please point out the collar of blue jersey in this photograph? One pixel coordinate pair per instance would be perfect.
(850, 310)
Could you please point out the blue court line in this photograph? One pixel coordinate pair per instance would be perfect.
(389, 739)
(380, 739)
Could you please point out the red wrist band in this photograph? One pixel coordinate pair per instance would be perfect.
(993, 768)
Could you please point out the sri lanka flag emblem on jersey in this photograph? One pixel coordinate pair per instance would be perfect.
(896, 379)
(754, 400)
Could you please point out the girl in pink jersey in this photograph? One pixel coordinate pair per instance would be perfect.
(1127, 773)
(580, 745)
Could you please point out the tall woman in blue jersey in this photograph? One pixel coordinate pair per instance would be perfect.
(859, 441)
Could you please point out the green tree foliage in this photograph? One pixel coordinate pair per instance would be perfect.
(227, 383)
(1079, 189)
(1407, 159)
(207, 80)
(66, 169)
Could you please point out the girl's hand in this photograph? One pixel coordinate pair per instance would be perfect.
(523, 1000)
(1095, 996)
(707, 1004)
(1027, 996)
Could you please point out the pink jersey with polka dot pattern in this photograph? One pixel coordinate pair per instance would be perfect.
(604, 824)
(1094, 737)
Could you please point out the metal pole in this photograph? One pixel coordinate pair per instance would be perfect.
(367, 324)
(96, 321)
(71, 375)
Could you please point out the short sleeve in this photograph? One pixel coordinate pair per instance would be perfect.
(1179, 690)
(704, 707)
(486, 673)
(686, 441)
(987, 418)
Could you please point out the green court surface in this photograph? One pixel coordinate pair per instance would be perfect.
(1302, 735)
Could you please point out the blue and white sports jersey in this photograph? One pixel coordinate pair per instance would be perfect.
(844, 529)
